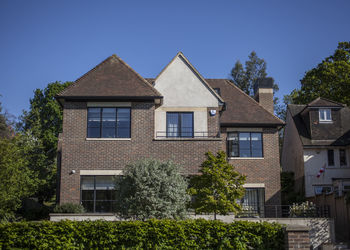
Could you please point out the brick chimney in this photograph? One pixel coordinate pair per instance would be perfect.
(263, 92)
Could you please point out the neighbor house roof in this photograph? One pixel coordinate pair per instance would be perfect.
(298, 110)
(111, 78)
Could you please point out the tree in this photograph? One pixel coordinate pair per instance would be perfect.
(44, 122)
(218, 187)
(245, 79)
(330, 79)
(17, 180)
(151, 189)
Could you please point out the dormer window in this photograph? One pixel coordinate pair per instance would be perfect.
(325, 115)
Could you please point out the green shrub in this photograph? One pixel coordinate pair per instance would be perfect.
(151, 189)
(69, 208)
(151, 234)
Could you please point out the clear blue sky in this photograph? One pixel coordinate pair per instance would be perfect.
(47, 41)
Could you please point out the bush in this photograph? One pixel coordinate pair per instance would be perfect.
(151, 189)
(305, 209)
(152, 234)
(69, 208)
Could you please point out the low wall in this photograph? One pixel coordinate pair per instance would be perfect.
(82, 217)
(321, 229)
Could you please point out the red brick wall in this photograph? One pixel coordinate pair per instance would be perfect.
(79, 153)
(265, 170)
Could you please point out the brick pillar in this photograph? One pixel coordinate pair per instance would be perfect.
(297, 237)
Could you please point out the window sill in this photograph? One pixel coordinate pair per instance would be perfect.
(325, 122)
(246, 158)
(187, 139)
(108, 139)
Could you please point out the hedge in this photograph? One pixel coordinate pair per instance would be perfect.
(152, 234)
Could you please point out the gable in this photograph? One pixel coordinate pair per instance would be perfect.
(182, 86)
(111, 78)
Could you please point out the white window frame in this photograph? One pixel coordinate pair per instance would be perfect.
(325, 111)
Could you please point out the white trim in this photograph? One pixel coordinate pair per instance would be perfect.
(244, 130)
(246, 158)
(101, 172)
(109, 104)
(254, 185)
(108, 139)
(324, 111)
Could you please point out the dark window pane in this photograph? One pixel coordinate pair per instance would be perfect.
(123, 123)
(88, 205)
(108, 122)
(233, 145)
(87, 183)
(172, 124)
(104, 183)
(330, 157)
(244, 145)
(94, 122)
(87, 195)
(103, 206)
(256, 144)
(342, 157)
(186, 124)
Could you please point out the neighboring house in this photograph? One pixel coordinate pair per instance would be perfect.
(112, 117)
(316, 145)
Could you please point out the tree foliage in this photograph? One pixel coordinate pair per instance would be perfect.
(245, 78)
(151, 189)
(17, 181)
(330, 79)
(44, 122)
(218, 187)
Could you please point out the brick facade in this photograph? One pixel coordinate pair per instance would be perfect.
(265, 170)
(79, 153)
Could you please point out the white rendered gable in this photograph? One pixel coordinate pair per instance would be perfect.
(181, 86)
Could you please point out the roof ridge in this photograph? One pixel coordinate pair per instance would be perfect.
(195, 71)
(84, 75)
(254, 101)
(139, 76)
(325, 99)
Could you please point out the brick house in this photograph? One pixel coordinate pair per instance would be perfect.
(316, 146)
(112, 116)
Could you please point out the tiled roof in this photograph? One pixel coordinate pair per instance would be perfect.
(111, 78)
(297, 110)
(323, 102)
(241, 109)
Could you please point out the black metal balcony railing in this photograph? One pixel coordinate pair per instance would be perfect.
(277, 211)
(196, 134)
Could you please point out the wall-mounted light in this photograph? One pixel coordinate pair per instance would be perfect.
(212, 112)
(72, 171)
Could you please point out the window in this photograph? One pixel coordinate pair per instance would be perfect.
(253, 202)
(325, 115)
(330, 153)
(323, 189)
(179, 124)
(108, 123)
(245, 144)
(342, 157)
(97, 193)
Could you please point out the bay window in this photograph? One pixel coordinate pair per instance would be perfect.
(244, 144)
